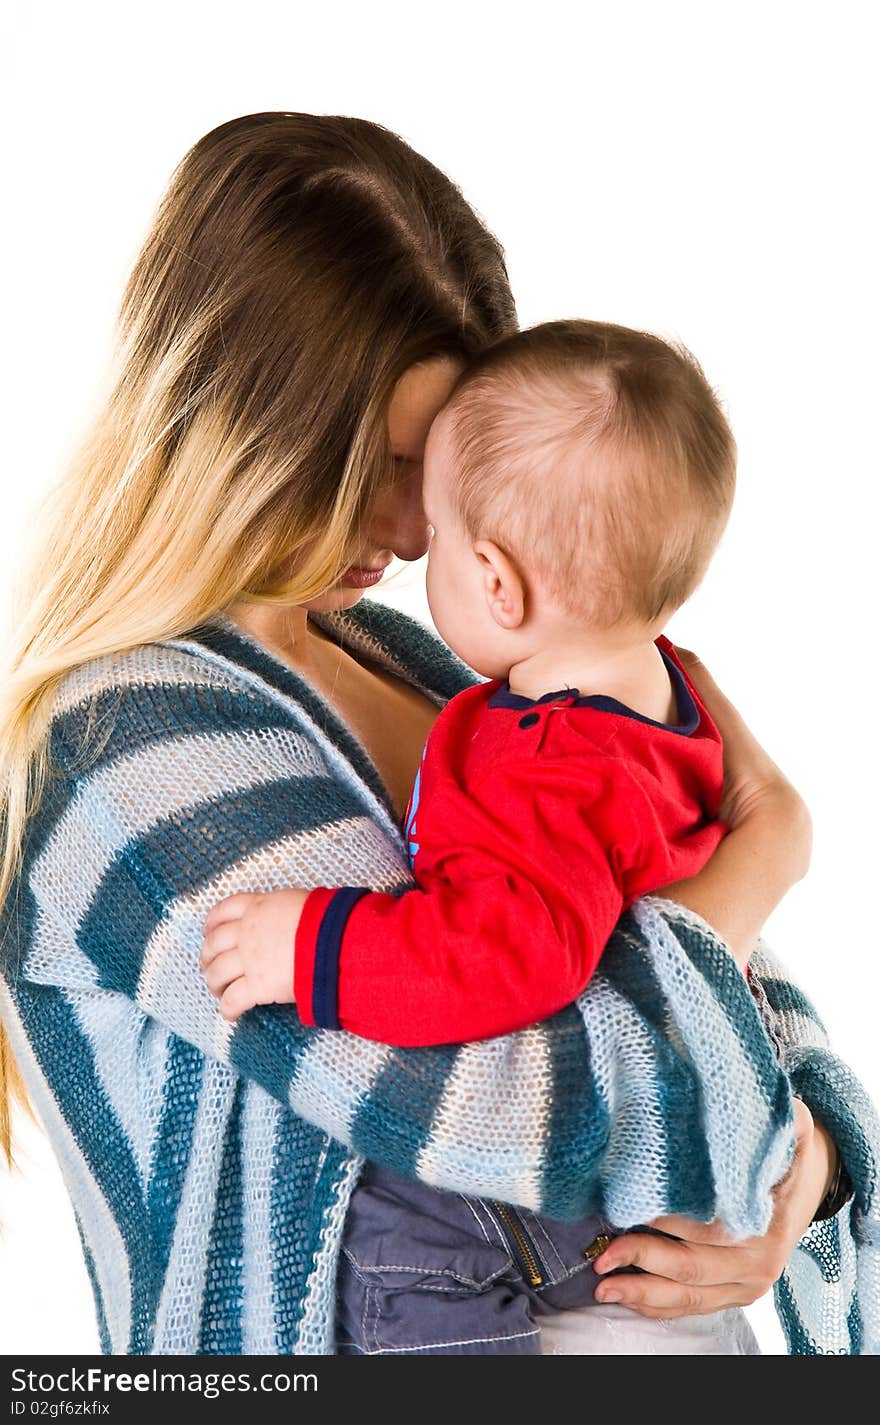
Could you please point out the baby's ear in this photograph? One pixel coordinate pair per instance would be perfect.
(502, 584)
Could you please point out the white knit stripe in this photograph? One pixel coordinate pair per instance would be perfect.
(332, 1079)
(168, 989)
(315, 1331)
(766, 963)
(346, 773)
(151, 784)
(801, 1030)
(103, 1237)
(53, 944)
(636, 1160)
(179, 1314)
(130, 1056)
(352, 851)
(259, 1126)
(492, 1108)
(728, 1081)
(151, 665)
(836, 1297)
(676, 914)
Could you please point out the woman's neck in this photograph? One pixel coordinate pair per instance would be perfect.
(285, 629)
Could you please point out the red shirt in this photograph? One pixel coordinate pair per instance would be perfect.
(531, 826)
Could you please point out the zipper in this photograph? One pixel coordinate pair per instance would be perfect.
(525, 1247)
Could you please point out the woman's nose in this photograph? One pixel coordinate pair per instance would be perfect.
(399, 522)
(412, 542)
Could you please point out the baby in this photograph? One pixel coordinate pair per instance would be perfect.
(576, 484)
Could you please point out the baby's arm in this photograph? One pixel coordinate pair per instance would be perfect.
(505, 927)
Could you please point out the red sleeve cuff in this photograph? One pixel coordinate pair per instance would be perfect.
(305, 950)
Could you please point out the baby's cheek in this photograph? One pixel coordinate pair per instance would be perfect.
(434, 588)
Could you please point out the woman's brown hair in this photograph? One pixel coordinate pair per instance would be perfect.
(297, 266)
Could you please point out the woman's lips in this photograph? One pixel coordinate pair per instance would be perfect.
(362, 578)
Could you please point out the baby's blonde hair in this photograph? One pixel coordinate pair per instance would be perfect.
(599, 459)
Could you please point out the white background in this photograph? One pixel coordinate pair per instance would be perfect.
(705, 171)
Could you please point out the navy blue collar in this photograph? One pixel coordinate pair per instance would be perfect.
(688, 712)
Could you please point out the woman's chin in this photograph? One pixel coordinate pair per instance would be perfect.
(341, 596)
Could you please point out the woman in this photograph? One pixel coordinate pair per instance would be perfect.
(297, 316)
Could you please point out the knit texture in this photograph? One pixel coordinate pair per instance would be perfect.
(210, 1164)
(828, 1297)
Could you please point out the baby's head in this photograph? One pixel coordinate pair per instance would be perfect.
(578, 479)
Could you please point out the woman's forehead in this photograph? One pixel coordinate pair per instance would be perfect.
(416, 399)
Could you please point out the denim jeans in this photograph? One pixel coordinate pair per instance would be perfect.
(429, 1272)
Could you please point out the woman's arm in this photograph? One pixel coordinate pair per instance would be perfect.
(768, 847)
(764, 854)
(747, 876)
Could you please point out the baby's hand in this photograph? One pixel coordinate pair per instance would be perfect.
(247, 950)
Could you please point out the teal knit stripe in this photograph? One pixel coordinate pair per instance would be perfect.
(838, 1100)
(220, 1330)
(786, 998)
(104, 1337)
(172, 1145)
(145, 716)
(431, 663)
(380, 1131)
(797, 1338)
(56, 1039)
(298, 1218)
(856, 1327)
(579, 1120)
(689, 1174)
(729, 986)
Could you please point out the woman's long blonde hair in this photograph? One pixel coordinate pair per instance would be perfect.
(297, 266)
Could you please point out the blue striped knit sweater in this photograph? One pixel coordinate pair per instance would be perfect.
(210, 1164)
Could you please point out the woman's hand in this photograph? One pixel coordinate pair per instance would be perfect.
(704, 1269)
(767, 848)
(247, 950)
(753, 783)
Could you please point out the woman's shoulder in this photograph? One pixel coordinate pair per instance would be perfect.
(153, 666)
(216, 678)
(146, 698)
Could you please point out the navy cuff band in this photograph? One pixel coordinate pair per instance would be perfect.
(325, 979)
